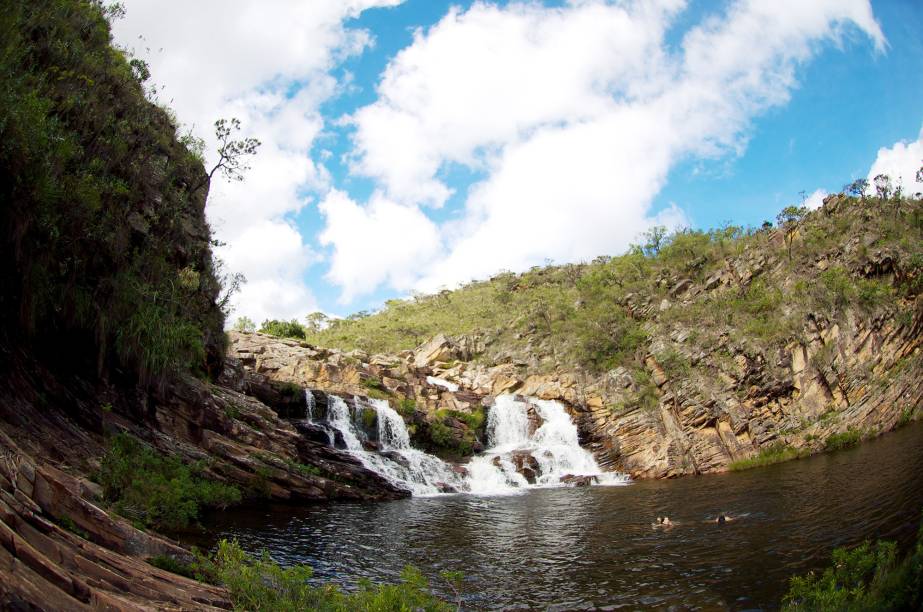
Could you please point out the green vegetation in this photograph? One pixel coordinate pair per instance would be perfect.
(756, 284)
(846, 439)
(375, 388)
(452, 441)
(66, 522)
(777, 453)
(866, 578)
(406, 407)
(244, 324)
(109, 249)
(156, 490)
(262, 584)
(201, 569)
(283, 329)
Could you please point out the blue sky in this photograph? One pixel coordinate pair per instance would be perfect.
(419, 144)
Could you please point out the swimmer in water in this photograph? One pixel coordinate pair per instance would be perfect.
(663, 522)
(723, 518)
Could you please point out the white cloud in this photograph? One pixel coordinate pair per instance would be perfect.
(383, 241)
(816, 199)
(575, 115)
(239, 59)
(901, 163)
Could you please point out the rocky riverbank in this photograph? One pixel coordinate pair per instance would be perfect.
(696, 406)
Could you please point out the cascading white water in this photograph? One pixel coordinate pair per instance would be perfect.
(507, 424)
(399, 463)
(551, 453)
(340, 419)
(552, 450)
(309, 404)
(392, 432)
(441, 382)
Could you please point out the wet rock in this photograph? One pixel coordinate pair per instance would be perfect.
(525, 464)
(579, 481)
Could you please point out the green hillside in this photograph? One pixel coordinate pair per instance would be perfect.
(861, 254)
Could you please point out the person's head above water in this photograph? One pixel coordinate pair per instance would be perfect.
(722, 518)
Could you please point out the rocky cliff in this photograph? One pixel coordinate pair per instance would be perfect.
(111, 323)
(799, 334)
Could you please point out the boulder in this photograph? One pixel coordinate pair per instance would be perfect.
(578, 481)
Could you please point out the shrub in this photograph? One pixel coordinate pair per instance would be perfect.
(868, 577)
(839, 441)
(201, 569)
(406, 406)
(244, 324)
(838, 288)
(66, 522)
(777, 453)
(283, 329)
(262, 584)
(155, 490)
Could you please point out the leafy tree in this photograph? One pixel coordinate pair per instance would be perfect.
(317, 322)
(857, 188)
(882, 186)
(232, 153)
(244, 324)
(789, 219)
(653, 240)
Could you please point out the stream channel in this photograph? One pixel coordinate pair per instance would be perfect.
(594, 547)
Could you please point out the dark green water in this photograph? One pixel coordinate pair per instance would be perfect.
(574, 549)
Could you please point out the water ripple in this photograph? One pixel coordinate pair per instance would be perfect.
(594, 548)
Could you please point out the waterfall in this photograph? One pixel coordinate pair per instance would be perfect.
(309, 404)
(397, 461)
(441, 382)
(550, 456)
(392, 432)
(518, 458)
(340, 418)
(507, 424)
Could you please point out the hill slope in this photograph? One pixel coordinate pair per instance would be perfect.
(692, 351)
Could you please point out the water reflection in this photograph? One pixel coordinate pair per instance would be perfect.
(594, 548)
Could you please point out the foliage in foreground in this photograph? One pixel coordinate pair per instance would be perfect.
(868, 577)
(155, 490)
(262, 584)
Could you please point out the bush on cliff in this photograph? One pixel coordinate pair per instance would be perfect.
(105, 248)
(283, 329)
(156, 490)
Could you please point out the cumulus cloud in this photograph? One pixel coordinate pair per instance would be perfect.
(267, 65)
(382, 241)
(816, 199)
(901, 163)
(574, 115)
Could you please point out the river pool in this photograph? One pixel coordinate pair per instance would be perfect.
(595, 548)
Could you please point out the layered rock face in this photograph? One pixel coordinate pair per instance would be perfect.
(726, 400)
(52, 438)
